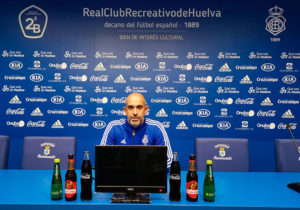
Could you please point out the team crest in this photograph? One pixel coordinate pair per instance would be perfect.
(222, 152)
(275, 23)
(47, 150)
(145, 140)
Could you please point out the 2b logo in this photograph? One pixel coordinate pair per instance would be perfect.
(33, 22)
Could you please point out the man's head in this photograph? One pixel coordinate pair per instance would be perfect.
(135, 109)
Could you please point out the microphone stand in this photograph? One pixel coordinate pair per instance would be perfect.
(296, 185)
(289, 128)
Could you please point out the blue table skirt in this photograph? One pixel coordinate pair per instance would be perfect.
(30, 189)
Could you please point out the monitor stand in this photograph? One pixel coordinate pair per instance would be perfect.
(295, 186)
(130, 197)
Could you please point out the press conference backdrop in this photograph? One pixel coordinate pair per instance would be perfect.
(207, 69)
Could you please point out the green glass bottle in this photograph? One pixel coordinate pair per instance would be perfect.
(209, 183)
(56, 186)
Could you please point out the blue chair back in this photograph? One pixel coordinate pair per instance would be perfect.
(286, 154)
(39, 152)
(227, 154)
(4, 150)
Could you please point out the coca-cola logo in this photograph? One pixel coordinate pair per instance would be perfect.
(175, 177)
(115, 100)
(224, 79)
(85, 176)
(206, 67)
(19, 111)
(38, 124)
(270, 113)
(283, 126)
(79, 66)
(102, 78)
(244, 101)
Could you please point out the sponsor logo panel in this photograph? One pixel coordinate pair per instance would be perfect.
(15, 65)
(224, 125)
(99, 124)
(197, 55)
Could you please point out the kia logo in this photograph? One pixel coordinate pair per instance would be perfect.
(15, 65)
(268, 67)
(78, 112)
(289, 79)
(182, 100)
(99, 124)
(203, 112)
(161, 78)
(36, 77)
(57, 99)
(224, 125)
(141, 66)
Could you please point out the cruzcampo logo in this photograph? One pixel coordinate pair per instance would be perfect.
(33, 22)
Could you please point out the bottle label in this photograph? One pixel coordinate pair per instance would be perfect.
(56, 190)
(85, 176)
(192, 189)
(70, 188)
(175, 177)
(212, 194)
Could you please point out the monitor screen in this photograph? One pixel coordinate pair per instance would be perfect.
(131, 169)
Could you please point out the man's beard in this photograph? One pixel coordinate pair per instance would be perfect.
(136, 125)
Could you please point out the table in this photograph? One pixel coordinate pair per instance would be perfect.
(30, 189)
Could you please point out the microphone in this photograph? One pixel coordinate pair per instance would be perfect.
(294, 186)
(289, 128)
(133, 134)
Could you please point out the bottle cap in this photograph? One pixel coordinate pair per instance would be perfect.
(175, 156)
(209, 162)
(56, 160)
(70, 156)
(192, 157)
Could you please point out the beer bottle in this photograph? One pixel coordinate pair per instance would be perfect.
(56, 185)
(175, 179)
(192, 181)
(209, 184)
(86, 178)
(71, 180)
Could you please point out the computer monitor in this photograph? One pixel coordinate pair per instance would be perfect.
(133, 171)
